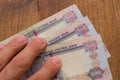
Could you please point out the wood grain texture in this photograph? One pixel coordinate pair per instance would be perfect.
(16, 15)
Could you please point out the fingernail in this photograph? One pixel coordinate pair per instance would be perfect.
(1, 46)
(21, 39)
(56, 60)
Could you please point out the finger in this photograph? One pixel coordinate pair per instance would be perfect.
(1, 46)
(22, 61)
(11, 49)
(48, 71)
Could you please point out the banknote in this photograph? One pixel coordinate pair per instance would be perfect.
(79, 29)
(108, 55)
(50, 24)
(82, 59)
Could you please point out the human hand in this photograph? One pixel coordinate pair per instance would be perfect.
(17, 56)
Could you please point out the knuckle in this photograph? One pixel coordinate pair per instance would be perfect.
(34, 48)
(19, 64)
(14, 46)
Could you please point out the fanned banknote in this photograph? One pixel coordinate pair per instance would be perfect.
(82, 59)
(72, 37)
(56, 24)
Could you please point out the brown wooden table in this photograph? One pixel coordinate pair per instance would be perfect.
(17, 15)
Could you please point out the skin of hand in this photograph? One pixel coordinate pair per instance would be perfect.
(17, 56)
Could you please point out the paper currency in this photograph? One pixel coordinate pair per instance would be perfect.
(72, 37)
(56, 24)
(51, 24)
(79, 29)
(82, 59)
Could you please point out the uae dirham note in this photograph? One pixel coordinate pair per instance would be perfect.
(82, 59)
(79, 29)
(47, 26)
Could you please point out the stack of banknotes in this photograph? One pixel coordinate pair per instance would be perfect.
(74, 39)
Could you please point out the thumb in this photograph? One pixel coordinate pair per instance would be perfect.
(49, 69)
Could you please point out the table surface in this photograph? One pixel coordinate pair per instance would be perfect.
(17, 15)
